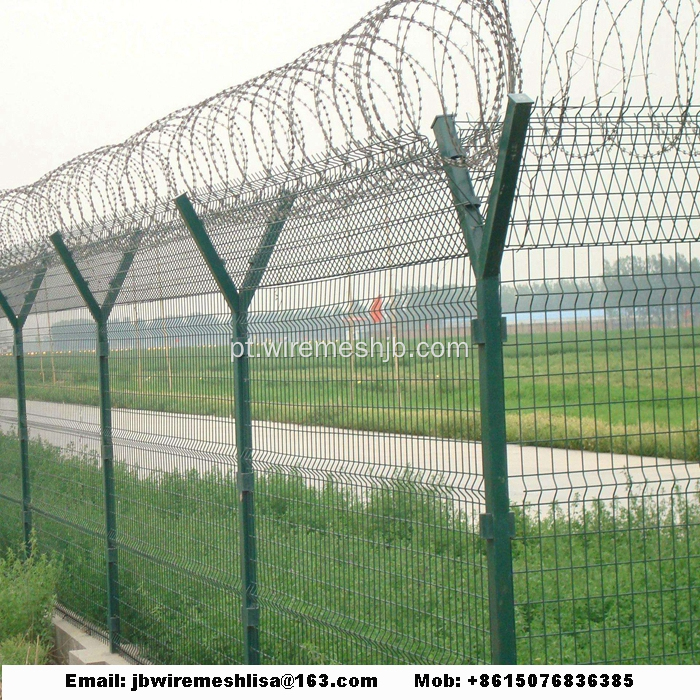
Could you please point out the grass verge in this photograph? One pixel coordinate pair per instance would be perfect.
(354, 570)
(27, 595)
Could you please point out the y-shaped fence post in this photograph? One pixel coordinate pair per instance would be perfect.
(17, 322)
(101, 315)
(238, 302)
(485, 244)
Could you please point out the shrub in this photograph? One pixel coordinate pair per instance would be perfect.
(27, 597)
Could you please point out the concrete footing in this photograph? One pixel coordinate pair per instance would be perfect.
(76, 646)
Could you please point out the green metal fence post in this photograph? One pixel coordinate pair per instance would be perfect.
(17, 322)
(485, 244)
(101, 315)
(23, 435)
(239, 302)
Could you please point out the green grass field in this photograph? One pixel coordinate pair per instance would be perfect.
(600, 391)
(391, 574)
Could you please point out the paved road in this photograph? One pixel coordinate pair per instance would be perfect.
(156, 442)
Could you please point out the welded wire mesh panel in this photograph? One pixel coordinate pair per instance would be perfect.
(601, 175)
(601, 387)
(378, 206)
(605, 395)
(388, 210)
(64, 455)
(368, 485)
(178, 512)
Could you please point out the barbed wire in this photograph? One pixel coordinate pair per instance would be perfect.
(391, 73)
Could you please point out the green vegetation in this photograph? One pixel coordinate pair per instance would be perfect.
(360, 571)
(625, 392)
(27, 592)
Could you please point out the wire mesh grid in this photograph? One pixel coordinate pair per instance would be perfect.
(367, 506)
(66, 479)
(368, 468)
(599, 288)
(603, 400)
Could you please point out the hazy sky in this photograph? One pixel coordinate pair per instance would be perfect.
(80, 74)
